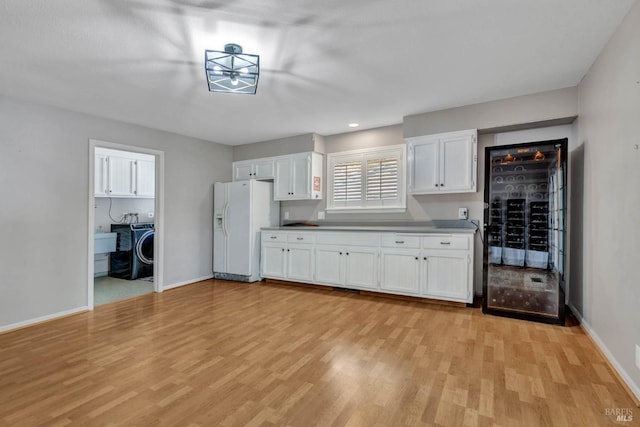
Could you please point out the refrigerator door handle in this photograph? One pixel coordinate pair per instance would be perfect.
(224, 218)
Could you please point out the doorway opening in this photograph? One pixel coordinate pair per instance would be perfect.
(125, 222)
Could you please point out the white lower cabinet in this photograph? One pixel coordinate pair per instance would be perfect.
(361, 268)
(431, 266)
(273, 260)
(349, 267)
(329, 265)
(287, 261)
(400, 271)
(447, 275)
(299, 262)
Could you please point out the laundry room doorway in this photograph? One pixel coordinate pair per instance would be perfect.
(126, 187)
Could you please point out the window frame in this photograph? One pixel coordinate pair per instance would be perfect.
(363, 155)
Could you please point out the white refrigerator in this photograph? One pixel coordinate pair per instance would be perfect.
(240, 209)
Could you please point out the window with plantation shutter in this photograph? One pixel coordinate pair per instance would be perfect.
(347, 181)
(382, 179)
(367, 179)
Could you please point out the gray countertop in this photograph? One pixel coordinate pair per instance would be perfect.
(447, 227)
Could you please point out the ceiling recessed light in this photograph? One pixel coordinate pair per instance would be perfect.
(354, 125)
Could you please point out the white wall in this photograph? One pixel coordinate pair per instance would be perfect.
(536, 109)
(609, 129)
(44, 167)
(118, 206)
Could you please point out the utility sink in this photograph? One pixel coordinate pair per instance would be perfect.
(104, 243)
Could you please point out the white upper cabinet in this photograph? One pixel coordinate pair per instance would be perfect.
(145, 178)
(295, 176)
(123, 174)
(261, 169)
(443, 163)
(298, 177)
(100, 183)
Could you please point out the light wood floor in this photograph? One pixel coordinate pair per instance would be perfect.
(230, 354)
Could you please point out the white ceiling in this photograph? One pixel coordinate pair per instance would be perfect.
(324, 63)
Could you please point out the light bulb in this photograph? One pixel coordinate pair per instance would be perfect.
(217, 70)
(234, 80)
(244, 70)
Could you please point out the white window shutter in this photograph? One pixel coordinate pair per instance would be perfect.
(347, 181)
(382, 179)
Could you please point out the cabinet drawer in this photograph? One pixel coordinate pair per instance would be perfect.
(400, 241)
(300, 237)
(268, 236)
(445, 242)
(347, 239)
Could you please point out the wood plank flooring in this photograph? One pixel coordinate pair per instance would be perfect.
(230, 354)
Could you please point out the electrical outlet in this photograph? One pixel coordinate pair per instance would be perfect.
(463, 213)
(286, 215)
(150, 214)
(638, 356)
(320, 214)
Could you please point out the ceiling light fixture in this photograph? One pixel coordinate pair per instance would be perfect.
(231, 70)
(354, 125)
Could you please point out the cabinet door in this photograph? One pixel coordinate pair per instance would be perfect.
(300, 262)
(361, 267)
(301, 177)
(329, 264)
(424, 166)
(273, 260)
(263, 169)
(282, 180)
(457, 163)
(400, 271)
(447, 276)
(242, 171)
(121, 176)
(145, 178)
(100, 183)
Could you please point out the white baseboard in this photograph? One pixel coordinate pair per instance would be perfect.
(624, 376)
(41, 319)
(186, 282)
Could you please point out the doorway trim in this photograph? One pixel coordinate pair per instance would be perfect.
(158, 242)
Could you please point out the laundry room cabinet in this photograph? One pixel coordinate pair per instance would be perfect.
(123, 174)
(101, 183)
(443, 163)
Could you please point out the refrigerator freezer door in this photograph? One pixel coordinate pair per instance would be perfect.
(219, 236)
(237, 223)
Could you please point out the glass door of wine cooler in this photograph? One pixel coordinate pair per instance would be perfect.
(525, 211)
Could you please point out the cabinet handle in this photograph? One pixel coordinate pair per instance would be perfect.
(425, 258)
(445, 243)
(400, 241)
(282, 249)
(442, 185)
(340, 253)
(437, 185)
(288, 250)
(347, 253)
(299, 238)
(273, 237)
(416, 258)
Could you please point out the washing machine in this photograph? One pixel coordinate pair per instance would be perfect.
(133, 258)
